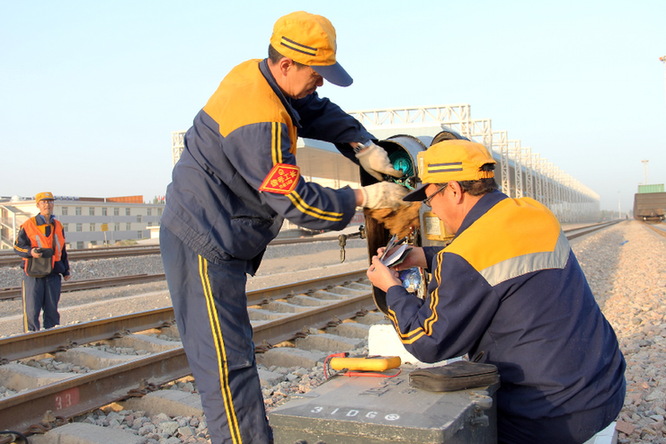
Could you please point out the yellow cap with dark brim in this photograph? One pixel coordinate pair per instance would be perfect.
(457, 159)
(310, 40)
(46, 195)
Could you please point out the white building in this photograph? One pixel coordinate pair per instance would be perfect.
(87, 221)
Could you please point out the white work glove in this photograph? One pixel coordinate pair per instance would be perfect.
(383, 195)
(375, 161)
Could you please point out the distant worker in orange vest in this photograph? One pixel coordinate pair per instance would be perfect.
(42, 237)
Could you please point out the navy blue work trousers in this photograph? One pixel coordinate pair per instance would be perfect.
(210, 305)
(574, 428)
(41, 294)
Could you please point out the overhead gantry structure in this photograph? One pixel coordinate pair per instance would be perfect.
(521, 172)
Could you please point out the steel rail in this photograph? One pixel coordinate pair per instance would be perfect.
(573, 233)
(7, 259)
(656, 229)
(77, 395)
(89, 284)
(15, 292)
(10, 258)
(64, 337)
(279, 330)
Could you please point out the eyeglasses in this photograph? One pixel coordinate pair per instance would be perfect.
(427, 200)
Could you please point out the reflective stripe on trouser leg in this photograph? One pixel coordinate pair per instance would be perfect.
(232, 419)
(33, 300)
(24, 303)
(210, 305)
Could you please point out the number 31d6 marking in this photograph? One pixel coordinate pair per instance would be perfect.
(66, 399)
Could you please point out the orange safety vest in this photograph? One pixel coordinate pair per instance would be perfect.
(38, 238)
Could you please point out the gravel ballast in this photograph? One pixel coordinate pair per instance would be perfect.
(624, 265)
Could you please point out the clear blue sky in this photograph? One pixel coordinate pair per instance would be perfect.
(91, 90)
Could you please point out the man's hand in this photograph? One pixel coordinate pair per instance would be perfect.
(381, 276)
(383, 195)
(34, 252)
(375, 161)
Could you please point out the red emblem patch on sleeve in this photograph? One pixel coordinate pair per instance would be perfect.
(281, 179)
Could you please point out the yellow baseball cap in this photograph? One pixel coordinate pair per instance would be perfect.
(46, 195)
(309, 39)
(456, 159)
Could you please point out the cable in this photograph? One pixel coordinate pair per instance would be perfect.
(19, 438)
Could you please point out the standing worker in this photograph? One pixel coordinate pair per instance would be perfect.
(234, 184)
(42, 237)
(508, 291)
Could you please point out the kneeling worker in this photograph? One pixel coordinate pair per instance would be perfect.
(509, 291)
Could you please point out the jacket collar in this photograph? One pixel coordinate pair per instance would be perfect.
(286, 101)
(41, 220)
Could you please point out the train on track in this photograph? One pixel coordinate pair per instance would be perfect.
(650, 203)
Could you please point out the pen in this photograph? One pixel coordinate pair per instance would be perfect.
(390, 244)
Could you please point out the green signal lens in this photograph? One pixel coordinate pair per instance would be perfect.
(401, 162)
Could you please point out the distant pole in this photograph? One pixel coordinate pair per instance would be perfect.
(663, 60)
(645, 171)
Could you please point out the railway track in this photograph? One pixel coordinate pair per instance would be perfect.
(46, 399)
(573, 233)
(15, 292)
(9, 258)
(43, 400)
(89, 284)
(659, 228)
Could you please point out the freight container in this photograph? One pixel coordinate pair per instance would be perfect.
(650, 207)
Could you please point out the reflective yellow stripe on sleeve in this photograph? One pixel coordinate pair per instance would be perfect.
(296, 199)
(276, 143)
(412, 336)
(299, 203)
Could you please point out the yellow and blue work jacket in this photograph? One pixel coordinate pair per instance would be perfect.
(508, 290)
(237, 178)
